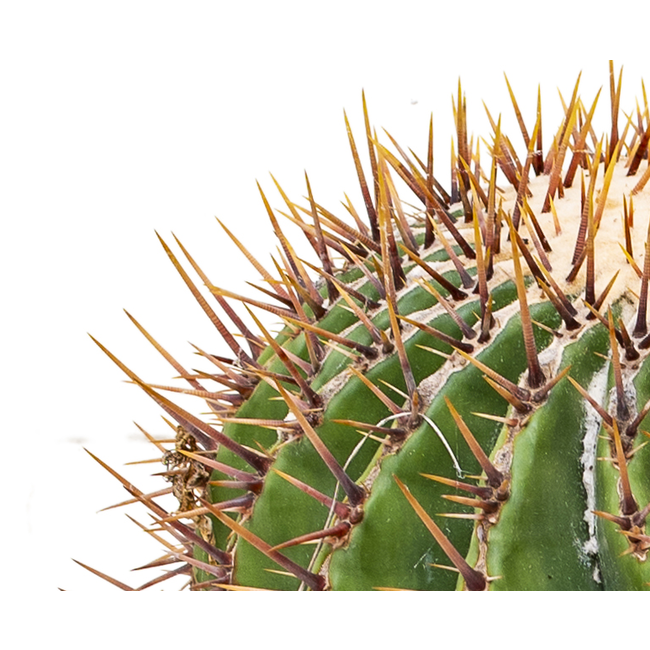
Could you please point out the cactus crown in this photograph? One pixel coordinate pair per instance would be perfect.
(462, 384)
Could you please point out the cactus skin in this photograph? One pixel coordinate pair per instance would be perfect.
(519, 415)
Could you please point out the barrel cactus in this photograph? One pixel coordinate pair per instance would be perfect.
(458, 395)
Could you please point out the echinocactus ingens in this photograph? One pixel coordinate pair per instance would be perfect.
(463, 384)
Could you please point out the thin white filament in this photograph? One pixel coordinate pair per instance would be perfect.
(454, 460)
(459, 472)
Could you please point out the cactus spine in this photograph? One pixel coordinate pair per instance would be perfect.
(461, 385)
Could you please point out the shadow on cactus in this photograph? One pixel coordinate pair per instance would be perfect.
(458, 395)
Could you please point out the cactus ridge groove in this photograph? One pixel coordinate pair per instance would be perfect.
(461, 377)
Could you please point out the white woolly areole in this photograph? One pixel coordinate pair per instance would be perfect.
(610, 236)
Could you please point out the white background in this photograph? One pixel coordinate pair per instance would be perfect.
(118, 118)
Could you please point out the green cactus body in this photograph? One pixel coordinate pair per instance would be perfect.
(457, 387)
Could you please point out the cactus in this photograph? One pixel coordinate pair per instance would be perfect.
(458, 393)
